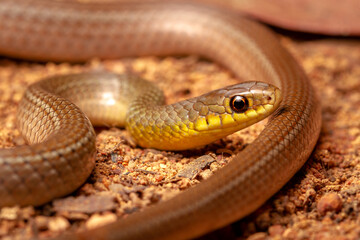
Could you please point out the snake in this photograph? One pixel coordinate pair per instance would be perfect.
(61, 156)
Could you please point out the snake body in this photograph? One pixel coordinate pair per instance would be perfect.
(70, 31)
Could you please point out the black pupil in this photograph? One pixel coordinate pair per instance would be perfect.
(239, 104)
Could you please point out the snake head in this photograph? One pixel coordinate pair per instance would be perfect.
(204, 119)
(235, 107)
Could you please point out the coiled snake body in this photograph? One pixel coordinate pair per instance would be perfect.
(59, 159)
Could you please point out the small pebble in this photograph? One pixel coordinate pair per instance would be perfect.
(58, 224)
(205, 174)
(290, 234)
(275, 230)
(258, 236)
(184, 183)
(290, 207)
(100, 220)
(9, 213)
(330, 202)
(192, 169)
(42, 222)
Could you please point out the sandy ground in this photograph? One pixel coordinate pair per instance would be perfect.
(322, 201)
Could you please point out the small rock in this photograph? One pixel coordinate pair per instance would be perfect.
(289, 234)
(193, 168)
(275, 230)
(159, 178)
(100, 220)
(215, 166)
(290, 207)
(86, 204)
(330, 202)
(184, 183)
(205, 174)
(58, 224)
(42, 222)
(9, 213)
(27, 212)
(258, 236)
(100, 186)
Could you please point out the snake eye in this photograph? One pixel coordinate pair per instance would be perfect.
(239, 104)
